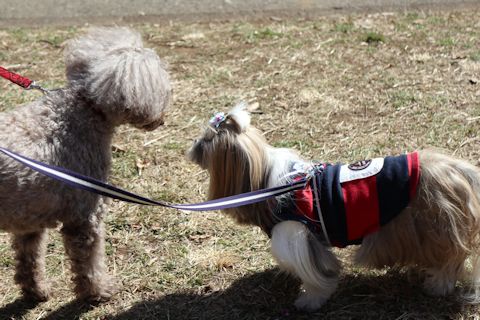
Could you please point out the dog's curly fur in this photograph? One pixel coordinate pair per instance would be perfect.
(112, 80)
(437, 234)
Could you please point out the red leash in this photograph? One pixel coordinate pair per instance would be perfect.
(20, 80)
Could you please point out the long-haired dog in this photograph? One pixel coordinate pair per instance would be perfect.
(419, 211)
(112, 80)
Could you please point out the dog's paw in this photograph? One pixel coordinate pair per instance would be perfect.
(98, 293)
(438, 283)
(36, 294)
(98, 297)
(308, 301)
(438, 286)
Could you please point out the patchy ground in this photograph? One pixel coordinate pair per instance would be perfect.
(336, 88)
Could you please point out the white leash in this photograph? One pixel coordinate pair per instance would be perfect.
(87, 183)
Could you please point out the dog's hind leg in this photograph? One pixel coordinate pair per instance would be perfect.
(441, 281)
(471, 294)
(85, 247)
(297, 251)
(30, 251)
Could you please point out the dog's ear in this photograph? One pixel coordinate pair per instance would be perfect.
(240, 116)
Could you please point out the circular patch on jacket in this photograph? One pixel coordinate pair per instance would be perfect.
(360, 169)
(359, 165)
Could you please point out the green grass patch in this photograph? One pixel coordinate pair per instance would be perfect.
(372, 37)
(401, 99)
(16, 96)
(263, 34)
(412, 16)
(174, 146)
(168, 196)
(123, 164)
(20, 35)
(54, 40)
(475, 56)
(286, 144)
(343, 27)
(447, 42)
(436, 20)
(6, 261)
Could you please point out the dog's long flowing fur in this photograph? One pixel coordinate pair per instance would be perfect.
(112, 80)
(436, 234)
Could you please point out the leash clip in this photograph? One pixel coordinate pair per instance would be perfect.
(34, 86)
(315, 168)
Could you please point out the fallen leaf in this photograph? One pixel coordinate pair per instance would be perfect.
(117, 148)
(253, 107)
(141, 164)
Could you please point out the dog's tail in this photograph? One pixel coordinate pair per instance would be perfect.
(472, 293)
(455, 186)
(117, 72)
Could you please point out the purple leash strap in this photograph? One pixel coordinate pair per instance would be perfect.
(87, 183)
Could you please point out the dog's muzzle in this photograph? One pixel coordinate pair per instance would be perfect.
(154, 124)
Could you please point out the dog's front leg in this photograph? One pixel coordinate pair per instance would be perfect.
(297, 251)
(85, 246)
(30, 251)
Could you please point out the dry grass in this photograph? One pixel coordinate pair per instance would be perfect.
(336, 88)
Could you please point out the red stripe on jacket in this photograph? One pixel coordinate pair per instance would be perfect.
(413, 172)
(304, 202)
(361, 207)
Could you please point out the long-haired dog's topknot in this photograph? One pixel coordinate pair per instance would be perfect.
(437, 233)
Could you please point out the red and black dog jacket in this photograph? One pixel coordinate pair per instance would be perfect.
(355, 200)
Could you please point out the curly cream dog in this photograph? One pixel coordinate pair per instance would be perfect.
(112, 80)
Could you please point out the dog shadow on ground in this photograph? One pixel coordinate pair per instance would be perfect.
(72, 310)
(270, 295)
(18, 308)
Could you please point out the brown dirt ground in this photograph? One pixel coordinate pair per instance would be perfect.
(337, 88)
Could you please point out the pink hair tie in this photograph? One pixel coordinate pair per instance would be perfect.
(217, 119)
